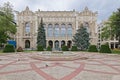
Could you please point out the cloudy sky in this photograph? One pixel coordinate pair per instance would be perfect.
(103, 7)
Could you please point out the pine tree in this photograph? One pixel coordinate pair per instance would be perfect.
(81, 38)
(41, 38)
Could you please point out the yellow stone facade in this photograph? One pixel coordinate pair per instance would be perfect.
(62, 24)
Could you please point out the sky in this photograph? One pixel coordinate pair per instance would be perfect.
(104, 7)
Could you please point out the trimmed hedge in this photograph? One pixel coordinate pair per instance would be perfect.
(105, 49)
(49, 48)
(74, 48)
(40, 48)
(19, 49)
(64, 48)
(9, 48)
(92, 48)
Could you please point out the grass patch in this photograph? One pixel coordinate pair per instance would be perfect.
(1, 51)
(116, 51)
(29, 51)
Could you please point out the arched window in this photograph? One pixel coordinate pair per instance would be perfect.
(86, 25)
(69, 30)
(27, 27)
(63, 30)
(50, 30)
(56, 31)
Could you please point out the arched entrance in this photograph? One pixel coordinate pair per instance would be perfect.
(57, 45)
(69, 44)
(50, 43)
(27, 44)
(62, 43)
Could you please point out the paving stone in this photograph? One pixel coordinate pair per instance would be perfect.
(97, 67)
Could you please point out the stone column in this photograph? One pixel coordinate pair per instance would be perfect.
(114, 45)
(65, 43)
(53, 44)
(47, 43)
(59, 44)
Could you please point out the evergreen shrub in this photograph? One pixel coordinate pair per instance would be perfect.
(49, 48)
(9, 48)
(92, 48)
(40, 48)
(64, 48)
(105, 49)
(74, 48)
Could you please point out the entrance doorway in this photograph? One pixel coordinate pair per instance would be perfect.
(50, 44)
(27, 44)
(57, 45)
(69, 44)
(62, 43)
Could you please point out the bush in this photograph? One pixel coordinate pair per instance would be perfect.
(105, 49)
(9, 48)
(92, 48)
(49, 48)
(40, 48)
(74, 48)
(64, 48)
(19, 49)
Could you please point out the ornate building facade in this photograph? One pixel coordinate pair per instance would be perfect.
(60, 27)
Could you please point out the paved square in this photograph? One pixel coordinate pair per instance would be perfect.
(97, 67)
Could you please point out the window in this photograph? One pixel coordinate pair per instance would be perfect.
(69, 30)
(57, 31)
(50, 30)
(27, 27)
(63, 30)
(86, 25)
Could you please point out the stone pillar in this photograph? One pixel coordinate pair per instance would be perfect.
(53, 44)
(65, 43)
(47, 43)
(59, 44)
(114, 45)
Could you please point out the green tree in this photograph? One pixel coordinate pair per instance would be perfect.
(41, 38)
(112, 27)
(81, 38)
(7, 24)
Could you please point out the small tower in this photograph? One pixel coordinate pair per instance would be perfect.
(86, 8)
(27, 8)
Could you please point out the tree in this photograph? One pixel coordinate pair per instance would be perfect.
(41, 38)
(81, 38)
(112, 27)
(7, 24)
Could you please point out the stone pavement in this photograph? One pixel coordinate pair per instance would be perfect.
(97, 67)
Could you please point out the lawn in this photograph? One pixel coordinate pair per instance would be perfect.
(1, 51)
(116, 51)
